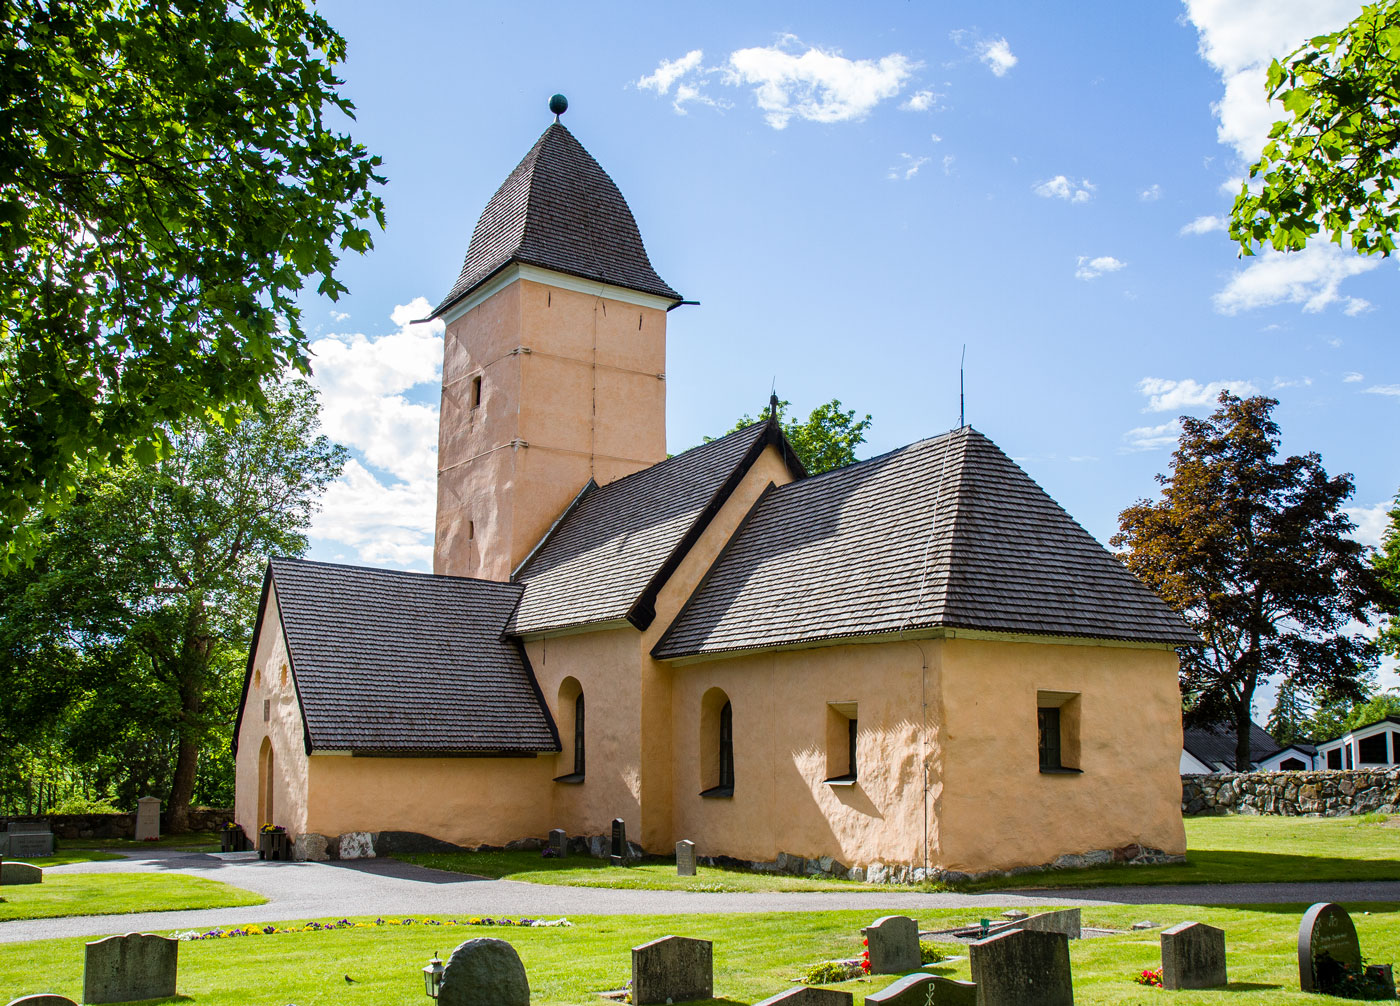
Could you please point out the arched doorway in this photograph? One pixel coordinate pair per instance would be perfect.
(265, 778)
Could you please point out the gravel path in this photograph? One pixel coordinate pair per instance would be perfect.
(388, 887)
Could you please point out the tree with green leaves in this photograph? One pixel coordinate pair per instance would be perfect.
(1333, 718)
(171, 177)
(1257, 555)
(1331, 166)
(144, 588)
(826, 439)
(1387, 563)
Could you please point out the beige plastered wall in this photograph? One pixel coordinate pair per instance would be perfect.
(572, 388)
(272, 682)
(998, 810)
(469, 801)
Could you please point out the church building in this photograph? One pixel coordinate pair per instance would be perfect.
(913, 665)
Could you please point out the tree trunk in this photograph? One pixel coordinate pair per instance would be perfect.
(191, 720)
(1244, 724)
(177, 816)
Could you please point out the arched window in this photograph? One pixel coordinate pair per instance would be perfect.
(726, 747)
(716, 744)
(571, 732)
(578, 734)
(266, 782)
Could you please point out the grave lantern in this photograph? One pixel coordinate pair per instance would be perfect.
(432, 977)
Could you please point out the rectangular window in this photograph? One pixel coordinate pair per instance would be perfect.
(267, 710)
(1057, 731)
(1372, 750)
(476, 391)
(842, 730)
(1334, 758)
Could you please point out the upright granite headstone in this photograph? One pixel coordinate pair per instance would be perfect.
(559, 843)
(1193, 957)
(685, 858)
(925, 990)
(893, 943)
(806, 996)
(43, 999)
(1064, 920)
(127, 968)
(1022, 967)
(1326, 943)
(618, 851)
(484, 972)
(20, 873)
(673, 968)
(147, 819)
(29, 839)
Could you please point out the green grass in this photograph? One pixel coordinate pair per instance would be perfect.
(65, 856)
(583, 871)
(1244, 850)
(117, 893)
(755, 957)
(190, 841)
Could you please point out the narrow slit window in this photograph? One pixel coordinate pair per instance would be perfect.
(1049, 725)
(476, 391)
(578, 735)
(726, 747)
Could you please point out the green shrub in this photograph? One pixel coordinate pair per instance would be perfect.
(930, 953)
(74, 804)
(831, 972)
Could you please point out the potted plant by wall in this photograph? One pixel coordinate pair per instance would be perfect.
(272, 842)
(229, 838)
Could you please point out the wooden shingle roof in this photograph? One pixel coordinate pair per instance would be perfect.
(947, 532)
(407, 663)
(613, 548)
(561, 211)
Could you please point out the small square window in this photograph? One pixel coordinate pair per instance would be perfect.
(1334, 758)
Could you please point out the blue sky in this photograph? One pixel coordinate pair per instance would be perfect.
(854, 192)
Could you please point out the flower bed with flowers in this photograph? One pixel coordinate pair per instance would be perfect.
(317, 927)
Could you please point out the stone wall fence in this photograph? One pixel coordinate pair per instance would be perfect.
(1332, 793)
(104, 826)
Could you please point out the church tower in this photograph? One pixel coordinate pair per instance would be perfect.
(554, 358)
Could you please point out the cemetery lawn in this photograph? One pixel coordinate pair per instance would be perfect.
(65, 856)
(649, 875)
(1243, 850)
(190, 841)
(756, 955)
(116, 893)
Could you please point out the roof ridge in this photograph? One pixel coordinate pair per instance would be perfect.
(939, 595)
(299, 561)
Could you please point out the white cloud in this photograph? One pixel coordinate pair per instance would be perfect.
(921, 101)
(339, 316)
(1310, 277)
(362, 381)
(996, 53)
(1092, 268)
(1392, 390)
(817, 85)
(1151, 438)
(948, 160)
(935, 137)
(1151, 194)
(1061, 187)
(1165, 395)
(1371, 522)
(1352, 377)
(1238, 38)
(668, 71)
(1204, 225)
(908, 168)
(1355, 306)
(1280, 383)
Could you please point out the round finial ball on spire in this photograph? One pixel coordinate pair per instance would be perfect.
(558, 104)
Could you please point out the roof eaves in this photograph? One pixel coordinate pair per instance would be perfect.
(643, 610)
(292, 670)
(252, 652)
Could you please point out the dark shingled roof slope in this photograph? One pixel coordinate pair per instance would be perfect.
(1216, 745)
(407, 662)
(611, 551)
(947, 532)
(560, 210)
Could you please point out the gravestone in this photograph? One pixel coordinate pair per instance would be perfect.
(926, 990)
(618, 855)
(42, 999)
(20, 873)
(1065, 920)
(1193, 957)
(673, 968)
(1326, 942)
(806, 996)
(893, 943)
(484, 972)
(127, 968)
(147, 819)
(559, 843)
(685, 858)
(29, 839)
(1022, 967)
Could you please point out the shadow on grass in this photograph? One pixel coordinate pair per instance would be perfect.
(1250, 987)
